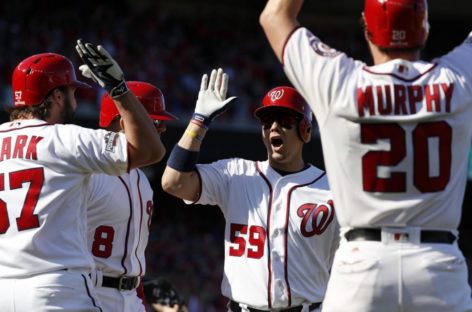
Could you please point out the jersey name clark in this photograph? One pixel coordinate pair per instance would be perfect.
(24, 146)
(400, 99)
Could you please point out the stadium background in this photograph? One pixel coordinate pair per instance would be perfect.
(171, 43)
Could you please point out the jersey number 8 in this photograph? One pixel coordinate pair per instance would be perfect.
(102, 245)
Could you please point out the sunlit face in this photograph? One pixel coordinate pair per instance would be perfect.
(281, 138)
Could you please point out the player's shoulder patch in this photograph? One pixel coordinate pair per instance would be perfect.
(322, 48)
(110, 141)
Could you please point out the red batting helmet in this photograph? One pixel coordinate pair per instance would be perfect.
(37, 75)
(289, 98)
(150, 96)
(396, 24)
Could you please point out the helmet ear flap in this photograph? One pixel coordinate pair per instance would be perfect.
(304, 130)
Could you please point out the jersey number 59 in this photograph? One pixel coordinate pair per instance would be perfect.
(240, 234)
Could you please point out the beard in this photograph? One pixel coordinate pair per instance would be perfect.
(68, 112)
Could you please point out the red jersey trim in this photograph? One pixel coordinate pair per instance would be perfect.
(89, 294)
(269, 282)
(128, 226)
(140, 223)
(285, 43)
(31, 126)
(287, 215)
(399, 77)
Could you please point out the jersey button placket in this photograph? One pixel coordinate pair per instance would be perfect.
(278, 219)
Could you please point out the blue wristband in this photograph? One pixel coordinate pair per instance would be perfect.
(201, 120)
(182, 159)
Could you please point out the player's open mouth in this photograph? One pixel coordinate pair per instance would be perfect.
(276, 142)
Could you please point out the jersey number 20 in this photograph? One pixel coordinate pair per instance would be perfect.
(420, 137)
(27, 219)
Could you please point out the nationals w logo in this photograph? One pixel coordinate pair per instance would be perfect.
(320, 215)
(276, 95)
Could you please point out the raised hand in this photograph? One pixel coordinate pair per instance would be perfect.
(212, 100)
(102, 68)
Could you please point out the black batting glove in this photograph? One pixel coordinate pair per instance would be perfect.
(101, 68)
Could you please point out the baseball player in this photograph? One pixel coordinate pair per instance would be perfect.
(395, 137)
(45, 169)
(281, 232)
(119, 211)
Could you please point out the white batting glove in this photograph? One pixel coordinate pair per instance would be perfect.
(101, 68)
(212, 100)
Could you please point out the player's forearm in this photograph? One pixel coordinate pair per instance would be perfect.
(192, 137)
(283, 8)
(184, 185)
(279, 19)
(180, 183)
(145, 146)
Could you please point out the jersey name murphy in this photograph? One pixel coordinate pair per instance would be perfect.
(397, 99)
(24, 147)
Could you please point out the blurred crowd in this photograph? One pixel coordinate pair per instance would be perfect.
(190, 258)
(171, 51)
(151, 44)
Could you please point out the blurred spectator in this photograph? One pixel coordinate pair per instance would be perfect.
(171, 52)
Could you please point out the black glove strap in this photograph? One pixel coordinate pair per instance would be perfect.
(119, 90)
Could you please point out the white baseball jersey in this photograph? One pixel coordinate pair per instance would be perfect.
(396, 136)
(280, 234)
(119, 217)
(44, 173)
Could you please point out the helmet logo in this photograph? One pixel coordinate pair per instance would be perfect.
(18, 100)
(276, 95)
